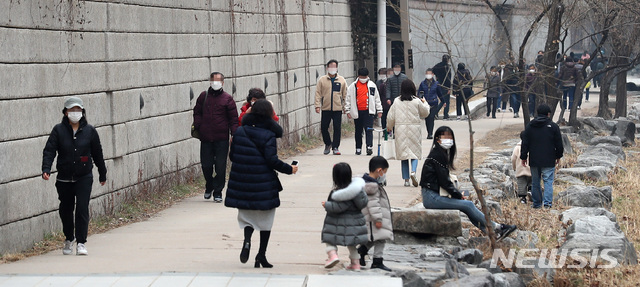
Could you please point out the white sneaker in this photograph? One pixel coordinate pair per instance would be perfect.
(406, 182)
(81, 249)
(499, 110)
(510, 109)
(68, 247)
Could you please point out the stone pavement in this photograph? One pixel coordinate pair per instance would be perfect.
(199, 237)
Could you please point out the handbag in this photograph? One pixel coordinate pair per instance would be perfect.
(454, 179)
(389, 148)
(195, 133)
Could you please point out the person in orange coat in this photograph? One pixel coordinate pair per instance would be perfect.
(254, 95)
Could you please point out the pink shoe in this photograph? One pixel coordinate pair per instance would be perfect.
(355, 265)
(332, 260)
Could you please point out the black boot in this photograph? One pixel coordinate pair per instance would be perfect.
(363, 250)
(261, 258)
(246, 245)
(377, 263)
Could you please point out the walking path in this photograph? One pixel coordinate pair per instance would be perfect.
(201, 241)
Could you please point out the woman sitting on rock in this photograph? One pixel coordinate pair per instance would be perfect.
(435, 176)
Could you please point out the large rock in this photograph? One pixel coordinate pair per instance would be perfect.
(572, 180)
(586, 196)
(633, 113)
(484, 280)
(610, 140)
(572, 215)
(596, 123)
(600, 233)
(597, 173)
(510, 279)
(427, 221)
(626, 131)
(535, 268)
(470, 256)
(604, 150)
(526, 239)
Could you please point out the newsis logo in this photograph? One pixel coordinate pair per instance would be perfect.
(556, 258)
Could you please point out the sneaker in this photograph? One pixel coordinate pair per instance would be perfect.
(358, 151)
(81, 249)
(504, 231)
(515, 115)
(436, 117)
(510, 109)
(493, 117)
(579, 108)
(406, 182)
(217, 199)
(369, 150)
(207, 194)
(458, 117)
(499, 110)
(414, 179)
(523, 199)
(429, 137)
(327, 149)
(68, 247)
(336, 151)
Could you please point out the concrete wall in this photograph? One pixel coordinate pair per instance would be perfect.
(138, 64)
(470, 31)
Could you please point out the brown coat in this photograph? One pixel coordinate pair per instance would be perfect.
(326, 95)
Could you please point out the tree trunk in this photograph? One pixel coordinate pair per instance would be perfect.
(621, 96)
(577, 98)
(550, 50)
(603, 105)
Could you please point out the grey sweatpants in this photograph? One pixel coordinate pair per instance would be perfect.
(378, 247)
(523, 183)
(353, 251)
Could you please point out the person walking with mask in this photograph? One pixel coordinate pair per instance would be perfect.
(77, 145)
(494, 90)
(463, 85)
(430, 91)
(384, 98)
(215, 116)
(444, 75)
(534, 88)
(569, 76)
(362, 105)
(331, 92)
(395, 82)
(405, 116)
(436, 177)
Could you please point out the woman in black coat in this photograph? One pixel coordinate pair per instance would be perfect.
(253, 182)
(78, 147)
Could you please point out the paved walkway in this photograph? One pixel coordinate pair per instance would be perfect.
(197, 237)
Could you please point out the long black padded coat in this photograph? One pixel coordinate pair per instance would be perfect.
(344, 224)
(253, 180)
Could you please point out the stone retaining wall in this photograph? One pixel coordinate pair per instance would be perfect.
(138, 65)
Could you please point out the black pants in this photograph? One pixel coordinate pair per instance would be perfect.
(327, 117)
(214, 154)
(75, 195)
(364, 122)
(492, 106)
(464, 96)
(383, 120)
(429, 121)
(446, 99)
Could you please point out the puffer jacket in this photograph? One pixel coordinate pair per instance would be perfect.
(407, 118)
(344, 223)
(542, 142)
(435, 173)
(393, 85)
(493, 86)
(378, 210)
(517, 164)
(216, 119)
(430, 91)
(76, 153)
(351, 103)
(253, 181)
(569, 75)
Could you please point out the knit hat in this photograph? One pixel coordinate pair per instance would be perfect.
(73, 102)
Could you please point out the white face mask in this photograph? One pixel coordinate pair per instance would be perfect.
(74, 117)
(382, 178)
(428, 77)
(502, 66)
(364, 81)
(216, 85)
(332, 71)
(382, 77)
(532, 71)
(396, 72)
(446, 143)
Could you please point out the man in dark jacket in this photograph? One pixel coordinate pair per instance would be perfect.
(444, 74)
(394, 82)
(542, 145)
(386, 101)
(215, 116)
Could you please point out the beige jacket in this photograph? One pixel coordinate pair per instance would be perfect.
(351, 104)
(326, 95)
(407, 117)
(378, 210)
(517, 162)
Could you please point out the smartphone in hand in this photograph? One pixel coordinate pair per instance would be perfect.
(465, 193)
(295, 162)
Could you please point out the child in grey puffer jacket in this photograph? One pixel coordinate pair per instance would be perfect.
(344, 223)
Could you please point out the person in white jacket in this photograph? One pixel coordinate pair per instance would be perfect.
(523, 173)
(406, 116)
(363, 105)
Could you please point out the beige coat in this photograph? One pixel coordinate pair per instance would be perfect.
(517, 162)
(407, 117)
(325, 94)
(378, 210)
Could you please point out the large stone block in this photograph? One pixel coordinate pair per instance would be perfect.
(26, 198)
(249, 44)
(185, 4)
(21, 235)
(142, 46)
(137, 74)
(25, 46)
(586, 196)
(597, 173)
(600, 233)
(21, 159)
(573, 214)
(54, 15)
(255, 64)
(135, 18)
(61, 79)
(427, 221)
(626, 131)
(220, 23)
(158, 131)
